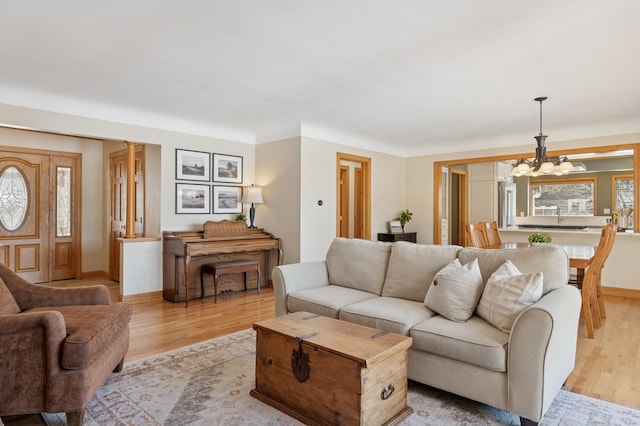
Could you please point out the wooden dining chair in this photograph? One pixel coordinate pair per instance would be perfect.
(493, 235)
(590, 305)
(612, 231)
(476, 235)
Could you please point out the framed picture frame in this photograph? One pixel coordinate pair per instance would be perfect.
(193, 165)
(193, 198)
(227, 199)
(227, 168)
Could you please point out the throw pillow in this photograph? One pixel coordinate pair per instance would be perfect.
(455, 291)
(8, 304)
(507, 293)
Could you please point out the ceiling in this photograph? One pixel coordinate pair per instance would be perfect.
(406, 77)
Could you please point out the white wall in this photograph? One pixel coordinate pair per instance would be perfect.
(141, 266)
(318, 182)
(180, 222)
(278, 173)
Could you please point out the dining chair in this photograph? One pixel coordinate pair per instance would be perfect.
(590, 304)
(612, 231)
(493, 235)
(476, 235)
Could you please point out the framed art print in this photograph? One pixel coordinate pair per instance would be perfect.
(227, 168)
(227, 199)
(192, 198)
(192, 165)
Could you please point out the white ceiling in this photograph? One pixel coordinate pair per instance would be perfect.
(407, 77)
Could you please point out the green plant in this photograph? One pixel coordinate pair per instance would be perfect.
(539, 237)
(405, 216)
(241, 217)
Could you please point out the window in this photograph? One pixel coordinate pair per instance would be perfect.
(14, 198)
(623, 198)
(569, 197)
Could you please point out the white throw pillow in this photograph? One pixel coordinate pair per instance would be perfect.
(507, 293)
(455, 291)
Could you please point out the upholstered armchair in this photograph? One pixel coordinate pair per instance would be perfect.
(57, 345)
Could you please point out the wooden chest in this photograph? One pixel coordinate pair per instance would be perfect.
(328, 372)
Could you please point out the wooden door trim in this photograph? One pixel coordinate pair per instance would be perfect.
(462, 204)
(365, 163)
(344, 196)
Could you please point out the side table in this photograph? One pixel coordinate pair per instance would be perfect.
(407, 236)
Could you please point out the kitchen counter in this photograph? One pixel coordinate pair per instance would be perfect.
(570, 230)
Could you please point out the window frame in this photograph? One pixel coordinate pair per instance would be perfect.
(614, 180)
(564, 181)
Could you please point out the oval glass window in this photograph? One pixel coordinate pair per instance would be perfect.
(14, 198)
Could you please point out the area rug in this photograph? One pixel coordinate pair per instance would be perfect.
(209, 384)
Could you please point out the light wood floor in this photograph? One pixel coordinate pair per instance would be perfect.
(607, 367)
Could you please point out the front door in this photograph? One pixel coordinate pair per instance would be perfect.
(39, 214)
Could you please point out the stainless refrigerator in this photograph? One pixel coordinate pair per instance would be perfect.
(506, 205)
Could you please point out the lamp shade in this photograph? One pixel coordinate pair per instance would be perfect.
(252, 194)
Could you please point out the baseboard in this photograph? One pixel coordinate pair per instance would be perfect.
(94, 275)
(621, 292)
(152, 296)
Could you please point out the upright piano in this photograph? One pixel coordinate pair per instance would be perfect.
(221, 241)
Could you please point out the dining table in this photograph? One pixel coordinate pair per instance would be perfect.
(580, 256)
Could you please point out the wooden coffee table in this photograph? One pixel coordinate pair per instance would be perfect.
(323, 371)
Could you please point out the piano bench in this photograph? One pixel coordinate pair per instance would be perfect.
(231, 267)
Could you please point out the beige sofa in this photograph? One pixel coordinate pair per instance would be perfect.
(383, 285)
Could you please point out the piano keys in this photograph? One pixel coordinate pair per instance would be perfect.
(221, 241)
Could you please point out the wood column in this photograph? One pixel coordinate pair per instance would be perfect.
(130, 231)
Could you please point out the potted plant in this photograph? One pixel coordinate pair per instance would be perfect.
(241, 217)
(405, 216)
(538, 238)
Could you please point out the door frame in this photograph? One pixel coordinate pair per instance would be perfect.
(365, 190)
(463, 200)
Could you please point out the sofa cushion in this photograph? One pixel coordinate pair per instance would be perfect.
(326, 300)
(90, 328)
(387, 313)
(507, 293)
(359, 264)
(552, 261)
(8, 304)
(412, 268)
(455, 291)
(474, 341)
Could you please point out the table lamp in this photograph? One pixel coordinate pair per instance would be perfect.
(252, 194)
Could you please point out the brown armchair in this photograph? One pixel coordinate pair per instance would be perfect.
(57, 345)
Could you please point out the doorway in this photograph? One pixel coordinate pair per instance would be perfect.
(458, 207)
(40, 213)
(118, 208)
(353, 189)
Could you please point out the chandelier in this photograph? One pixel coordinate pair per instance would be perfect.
(542, 165)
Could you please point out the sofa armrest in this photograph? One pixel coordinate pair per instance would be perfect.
(30, 345)
(29, 295)
(37, 296)
(542, 351)
(294, 277)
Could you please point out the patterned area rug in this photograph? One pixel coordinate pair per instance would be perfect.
(209, 384)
